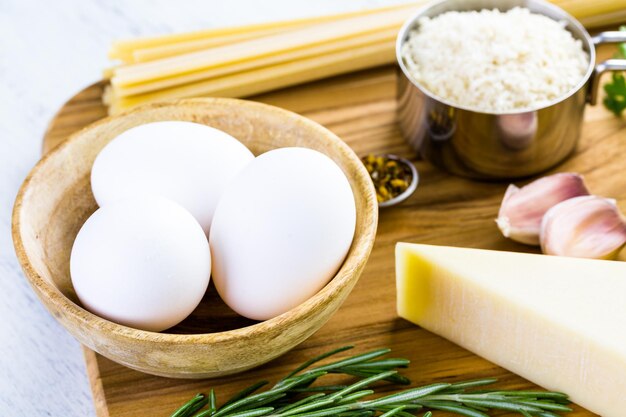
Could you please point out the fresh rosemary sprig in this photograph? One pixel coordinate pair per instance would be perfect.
(295, 395)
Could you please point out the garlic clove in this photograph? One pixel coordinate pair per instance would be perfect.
(584, 227)
(518, 232)
(522, 209)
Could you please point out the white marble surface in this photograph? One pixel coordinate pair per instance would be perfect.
(48, 51)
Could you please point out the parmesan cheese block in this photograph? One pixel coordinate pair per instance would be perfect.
(559, 322)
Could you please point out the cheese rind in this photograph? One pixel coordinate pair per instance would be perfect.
(559, 322)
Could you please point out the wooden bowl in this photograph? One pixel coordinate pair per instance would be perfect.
(56, 199)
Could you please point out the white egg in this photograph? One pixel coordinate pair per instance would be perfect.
(281, 231)
(187, 162)
(142, 262)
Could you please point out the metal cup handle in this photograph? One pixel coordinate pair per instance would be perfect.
(608, 65)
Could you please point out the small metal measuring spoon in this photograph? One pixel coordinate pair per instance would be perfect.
(403, 162)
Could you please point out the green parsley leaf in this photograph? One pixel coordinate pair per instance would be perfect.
(615, 99)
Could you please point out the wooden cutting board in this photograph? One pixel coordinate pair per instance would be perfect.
(445, 210)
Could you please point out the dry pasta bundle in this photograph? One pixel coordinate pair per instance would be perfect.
(247, 60)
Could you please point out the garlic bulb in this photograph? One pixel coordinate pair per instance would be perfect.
(523, 208)
(584, 227)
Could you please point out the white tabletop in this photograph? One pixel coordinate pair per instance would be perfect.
(48, 51)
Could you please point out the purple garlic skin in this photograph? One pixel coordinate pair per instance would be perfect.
(522, 209)
(584, 227)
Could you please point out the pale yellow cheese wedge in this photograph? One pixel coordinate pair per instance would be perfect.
(559, 322)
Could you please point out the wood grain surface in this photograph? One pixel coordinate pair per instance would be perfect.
(445, 210)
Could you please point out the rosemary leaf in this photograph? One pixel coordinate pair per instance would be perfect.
(547, 405)
(314, 360)
(295, 396)
(360, 413)
(473, 384)
(393, 411)
(253, 413)
(408, 395)
(502, 405)
(355, 396)
(303, 401)
(394, 379)
(533, 394)
(186, 409)
(195, 408)
(324, 388)
(245, 392)
(294, 381)
(353, 360)
(308, 407)
(328, 412)
(390, 363)
(362, 384)
(454, 408)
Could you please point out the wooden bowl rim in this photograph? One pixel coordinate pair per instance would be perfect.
(362, 246)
